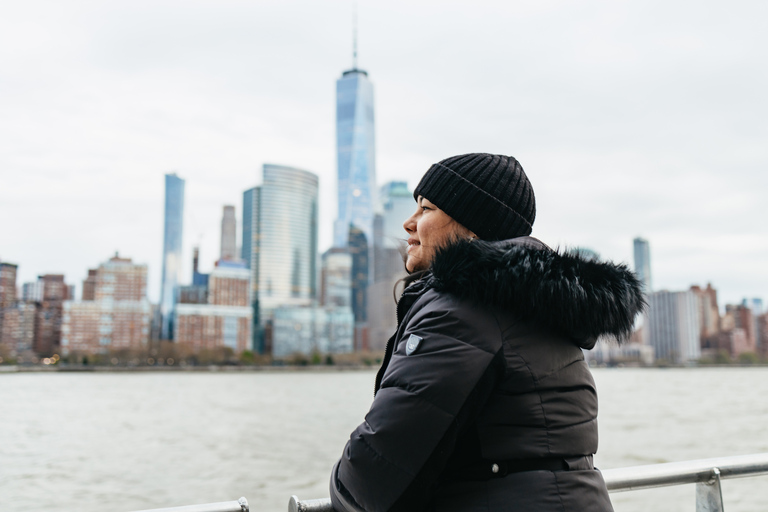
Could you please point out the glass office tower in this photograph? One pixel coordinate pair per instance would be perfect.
(174, 216)
(643, 262)
(355, 145)
(280, 242)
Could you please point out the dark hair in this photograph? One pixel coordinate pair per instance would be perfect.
(412, 277)
(409, 279)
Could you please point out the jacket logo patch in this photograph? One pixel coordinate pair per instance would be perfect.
(413, 343)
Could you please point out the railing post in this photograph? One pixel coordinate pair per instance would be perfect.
(709, 495)
(321, 505)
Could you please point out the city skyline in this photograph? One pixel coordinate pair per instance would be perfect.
(623, 132)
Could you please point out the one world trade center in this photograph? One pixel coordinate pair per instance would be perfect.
(355, 146)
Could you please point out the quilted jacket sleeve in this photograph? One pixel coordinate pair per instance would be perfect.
(393, 459)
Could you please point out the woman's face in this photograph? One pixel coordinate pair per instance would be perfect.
(429, 229)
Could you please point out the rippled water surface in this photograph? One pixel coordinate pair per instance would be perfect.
(131, 441)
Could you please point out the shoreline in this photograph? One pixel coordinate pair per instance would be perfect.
(208, 368)
(9, 369)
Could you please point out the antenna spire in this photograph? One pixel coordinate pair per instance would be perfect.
(354, 35)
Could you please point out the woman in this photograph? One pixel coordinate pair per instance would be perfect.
(484, 401)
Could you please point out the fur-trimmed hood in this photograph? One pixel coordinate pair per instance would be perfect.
(576, 296)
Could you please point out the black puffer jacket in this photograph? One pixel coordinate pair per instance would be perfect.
(484, 401)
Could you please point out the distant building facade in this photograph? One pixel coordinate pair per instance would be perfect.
(739, 316)
(732, 343)
(89, 285)
(224, 320)
(17, 331)
(762, 330)
(7, 284)
(32, 292)
(198, 279)
(642, 257)
(673, 326)
(32, 326)
(709, 314)
(13, 338)
(336, 278)
(756, 306)
(632, 353)
(397, 205)
(7, 300)
(172, 233)
(49, 314)
(280, 229)
(117, 316)
(304, 330)
(228, 234)
(193, 294)
(642, 254)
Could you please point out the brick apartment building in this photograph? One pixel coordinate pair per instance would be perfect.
(49, 314)
(114, 313)
(220, 315)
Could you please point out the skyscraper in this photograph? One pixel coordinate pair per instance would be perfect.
(280, 242)
(228, 234)
(174, 216)
(357, 193)
(355, 151)
(643, 263)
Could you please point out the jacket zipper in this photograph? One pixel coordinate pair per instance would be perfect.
(389, 348)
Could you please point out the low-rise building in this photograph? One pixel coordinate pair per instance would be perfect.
(307, 330)
(733, 342)
(740, 316)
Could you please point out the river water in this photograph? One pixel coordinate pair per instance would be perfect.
(130, 441)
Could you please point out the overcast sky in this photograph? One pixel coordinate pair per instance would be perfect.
(642, 118)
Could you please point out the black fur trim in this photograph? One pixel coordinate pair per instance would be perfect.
(566, 292)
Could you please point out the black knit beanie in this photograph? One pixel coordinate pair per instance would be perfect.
(488, 194)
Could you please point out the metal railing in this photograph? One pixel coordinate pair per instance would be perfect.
(705, 473)
(240, 505)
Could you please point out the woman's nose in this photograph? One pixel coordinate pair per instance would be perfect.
(410, 224)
